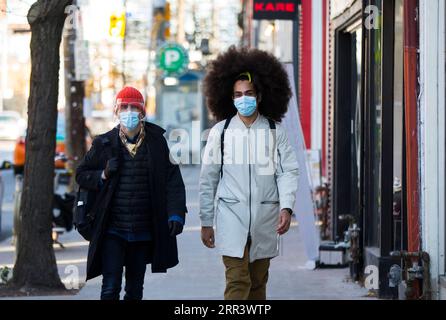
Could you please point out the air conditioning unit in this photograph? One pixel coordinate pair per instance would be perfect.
(333, 254)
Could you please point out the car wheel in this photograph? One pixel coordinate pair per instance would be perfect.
(18, 170)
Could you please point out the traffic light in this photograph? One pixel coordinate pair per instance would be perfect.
(117, 25)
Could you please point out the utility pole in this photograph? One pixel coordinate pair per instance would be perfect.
(75, 146)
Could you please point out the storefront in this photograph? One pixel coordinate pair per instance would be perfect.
(347, 113)
(366, 125)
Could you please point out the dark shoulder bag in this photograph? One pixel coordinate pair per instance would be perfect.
(84, 214)
(83, 220)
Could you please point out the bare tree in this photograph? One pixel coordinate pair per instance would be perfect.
(35, 267)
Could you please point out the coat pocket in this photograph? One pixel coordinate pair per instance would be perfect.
(229, 201)
(270, 202)
(269, 214)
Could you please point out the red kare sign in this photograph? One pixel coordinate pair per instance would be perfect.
(275, 7)
(275, 10)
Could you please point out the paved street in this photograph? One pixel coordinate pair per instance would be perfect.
(6, 154)
(200, 274)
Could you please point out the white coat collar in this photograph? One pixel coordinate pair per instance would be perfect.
(240, 122)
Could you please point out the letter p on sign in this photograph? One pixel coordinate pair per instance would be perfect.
(172, 57)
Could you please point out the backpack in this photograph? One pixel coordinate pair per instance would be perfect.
(272, 126)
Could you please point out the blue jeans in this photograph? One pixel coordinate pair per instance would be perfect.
(117, 253)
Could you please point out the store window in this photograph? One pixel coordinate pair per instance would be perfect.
(398, 131)
(374, 137)
(348, 127)
(356, 117)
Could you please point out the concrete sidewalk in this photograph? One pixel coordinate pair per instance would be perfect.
(200, 274)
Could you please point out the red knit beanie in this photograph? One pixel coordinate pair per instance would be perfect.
(131, 95)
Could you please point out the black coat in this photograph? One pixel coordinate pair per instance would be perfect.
(166, 187)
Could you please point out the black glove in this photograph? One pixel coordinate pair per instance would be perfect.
(111, 168)
(175, 228)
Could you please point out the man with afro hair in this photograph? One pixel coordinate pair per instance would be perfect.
(249, 175)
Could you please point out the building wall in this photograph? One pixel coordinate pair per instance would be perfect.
(325, 84)
(306, 78)
(339, 6)
(275, 36)
(317, 64)
(432, 132)
(15, 61)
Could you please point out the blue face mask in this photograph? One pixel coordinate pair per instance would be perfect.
(245, 105)
(129, 119)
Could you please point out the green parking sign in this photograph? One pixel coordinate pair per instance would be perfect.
(173, 59)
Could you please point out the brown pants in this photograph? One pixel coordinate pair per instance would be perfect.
(244, 280)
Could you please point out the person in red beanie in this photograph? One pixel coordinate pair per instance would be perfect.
(140, 201)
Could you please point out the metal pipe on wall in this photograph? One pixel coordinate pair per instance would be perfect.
(411, 45)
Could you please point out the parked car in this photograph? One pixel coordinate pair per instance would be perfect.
(19, 150)
(6, 165)
(11, 125)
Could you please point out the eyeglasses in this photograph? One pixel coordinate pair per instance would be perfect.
(249, 93)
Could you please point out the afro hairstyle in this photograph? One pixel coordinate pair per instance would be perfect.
(268, 76)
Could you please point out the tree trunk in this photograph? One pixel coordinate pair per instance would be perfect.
(36, 264)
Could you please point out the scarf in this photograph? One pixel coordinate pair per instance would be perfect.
(132, 147)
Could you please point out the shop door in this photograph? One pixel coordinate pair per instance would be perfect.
(348, 127)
